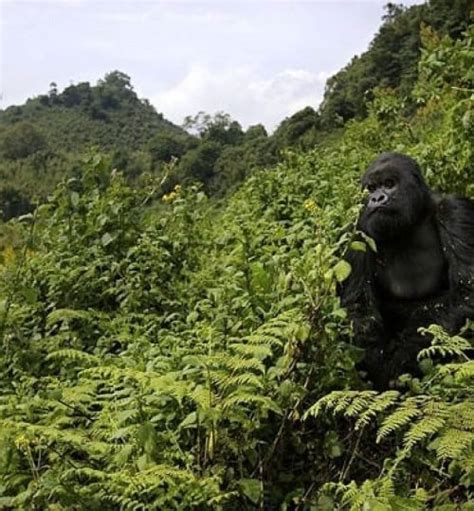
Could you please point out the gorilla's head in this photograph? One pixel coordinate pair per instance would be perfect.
(398, 196)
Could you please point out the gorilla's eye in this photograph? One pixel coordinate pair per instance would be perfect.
(389, 183)
(371, 188)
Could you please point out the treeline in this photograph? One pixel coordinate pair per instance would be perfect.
(392, 58)
(51, 133)
(45, 138)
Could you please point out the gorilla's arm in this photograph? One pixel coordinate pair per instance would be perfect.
(456, 228)
(358, 296)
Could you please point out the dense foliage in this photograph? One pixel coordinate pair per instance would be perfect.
(160, 352)
(392, 58)
(44, 140)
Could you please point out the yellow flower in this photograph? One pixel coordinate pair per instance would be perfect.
(22, 442)
(311, 206)
(170, 197)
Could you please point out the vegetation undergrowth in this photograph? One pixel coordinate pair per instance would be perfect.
(165, 353)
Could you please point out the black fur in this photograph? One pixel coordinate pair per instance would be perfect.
(422, 272)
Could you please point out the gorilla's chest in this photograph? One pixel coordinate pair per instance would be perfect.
(412, 270)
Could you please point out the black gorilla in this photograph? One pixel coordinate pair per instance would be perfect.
(422, 272)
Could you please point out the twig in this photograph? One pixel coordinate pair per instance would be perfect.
(346, 469)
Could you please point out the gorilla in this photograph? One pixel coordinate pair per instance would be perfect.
(421, 273)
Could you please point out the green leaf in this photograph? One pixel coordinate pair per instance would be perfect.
(360, 246)
(342, 270)
(261, 280)
(74, 199)
(123, 455)
(325, 503)
(376, 505)
(106, 239)
(466, 120)
(190, 421)
(252, 489)
(25, 218)
(370, 241)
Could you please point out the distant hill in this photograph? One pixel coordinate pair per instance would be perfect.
(47, 137)
(108, 115)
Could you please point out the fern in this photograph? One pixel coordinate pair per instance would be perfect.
(378, 406)
(463, 372)
(244, 398)
(365, 405)
(72, 355)
(453, 443)
(444, 345)
(423, 429)
(405, 414)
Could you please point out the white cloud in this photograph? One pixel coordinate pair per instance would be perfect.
(243, 93)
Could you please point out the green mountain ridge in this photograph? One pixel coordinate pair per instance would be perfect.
(109, 115)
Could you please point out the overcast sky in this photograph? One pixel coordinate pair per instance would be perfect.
(258, 60)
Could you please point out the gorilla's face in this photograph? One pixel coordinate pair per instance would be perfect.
(397, 197)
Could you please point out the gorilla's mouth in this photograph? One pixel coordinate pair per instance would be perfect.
(383, 209)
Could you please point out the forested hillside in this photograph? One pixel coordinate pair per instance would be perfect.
(48, 137)
(392, 58)
(162, 350)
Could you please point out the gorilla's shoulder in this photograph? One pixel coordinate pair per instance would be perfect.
(455, 220)
(453, 211)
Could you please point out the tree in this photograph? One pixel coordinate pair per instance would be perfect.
(218, 128)
(199, 163)
(299, 129)
(21, 140)
(75, 95)
(164, 146)
(114, 89)
(392, 58)
(256, 131)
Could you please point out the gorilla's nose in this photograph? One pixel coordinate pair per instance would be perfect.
(377, 199)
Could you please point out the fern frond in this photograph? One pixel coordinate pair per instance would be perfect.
(246, 398)
(452, 443)
(364, 404)
(378, 405)
(67, 315)
(203, 397)
(337, 401)
(461, 415)
(237, 363)
(72, 355)
(249, 379)
(264, 339)
(423, 429)
(443, 344)
(463, 372)
(74, 438)
(402, 416)
(258, 351)
(358, 405)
